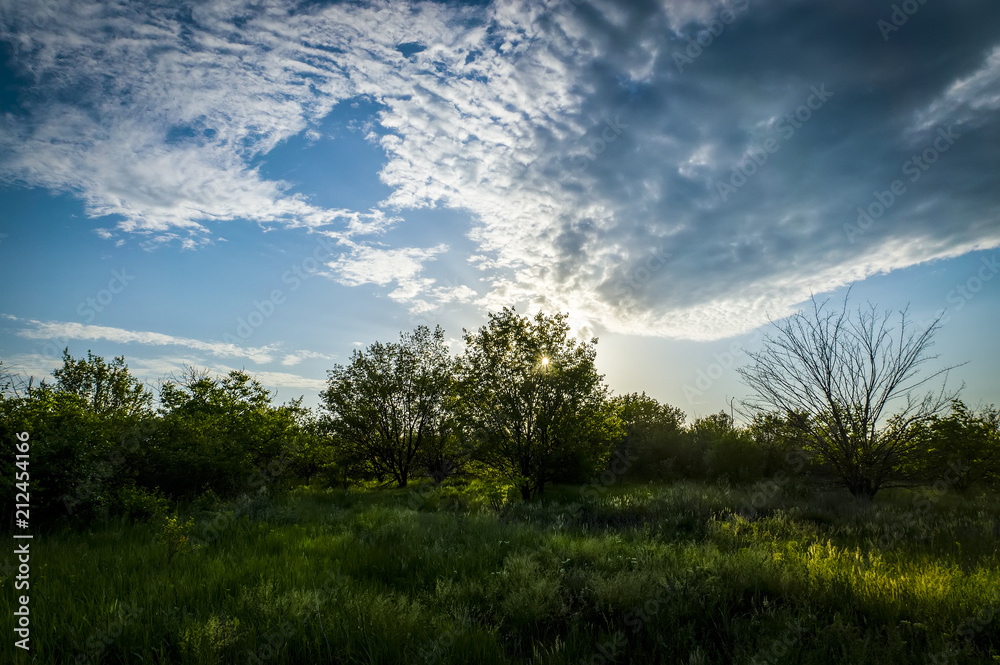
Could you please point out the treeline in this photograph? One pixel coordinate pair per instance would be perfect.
(523, 405)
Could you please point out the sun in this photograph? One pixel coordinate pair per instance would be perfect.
(545, 361)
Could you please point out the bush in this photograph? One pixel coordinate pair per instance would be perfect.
(137, 504)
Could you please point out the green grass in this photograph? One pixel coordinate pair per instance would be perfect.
(645, 574)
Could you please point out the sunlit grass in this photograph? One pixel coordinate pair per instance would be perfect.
(646, 574)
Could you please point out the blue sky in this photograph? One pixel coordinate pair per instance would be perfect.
(269, 185)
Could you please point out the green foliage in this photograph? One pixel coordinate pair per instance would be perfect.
(782, 444)
(138, 504)
(310, 453)
(84, 432)
(964, 445)
(658, 446)
(642, 574)
(493, 493)
(849, 379)
(390, 405)
(222, 434)
(174, 535)
(765, 448)
(653, 436)
(107, 388)
(98, 450)
(532, 398)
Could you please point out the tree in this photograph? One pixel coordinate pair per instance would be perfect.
(652, 432)
(725, 450)
(13, 385)
(390, 402)
(222, 434)
(781, 444)
(534, 401)
(311, 453)
(84, 429)
(838, 375)
(963, 446)
(107, 388)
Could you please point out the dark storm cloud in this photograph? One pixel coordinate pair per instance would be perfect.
(777, 230)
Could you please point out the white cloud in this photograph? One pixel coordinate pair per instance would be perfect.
(62, 332)
(297, 357)
(156, 370)
(373, 265)
(57, 330)
(569, 137)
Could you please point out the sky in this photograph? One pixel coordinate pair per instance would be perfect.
(269, 186)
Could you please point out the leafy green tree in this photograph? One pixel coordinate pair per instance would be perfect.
(445, 456)
(652, 435)
(66, 447)
(780, 442)
(85, 430)
(107, 388)
(389, 405)
(222, 434)
(534, 401)
(963, 445)
(312, 453)
(723, 448)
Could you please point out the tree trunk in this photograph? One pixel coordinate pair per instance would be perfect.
(861, 486)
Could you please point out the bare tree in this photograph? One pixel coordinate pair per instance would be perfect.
(849, 382)
(14, 385)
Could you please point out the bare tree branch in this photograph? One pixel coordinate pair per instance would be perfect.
(837, 375)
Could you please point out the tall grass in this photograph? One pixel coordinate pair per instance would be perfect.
(643, 574)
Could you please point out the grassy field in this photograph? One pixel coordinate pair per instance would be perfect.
(682, 573)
